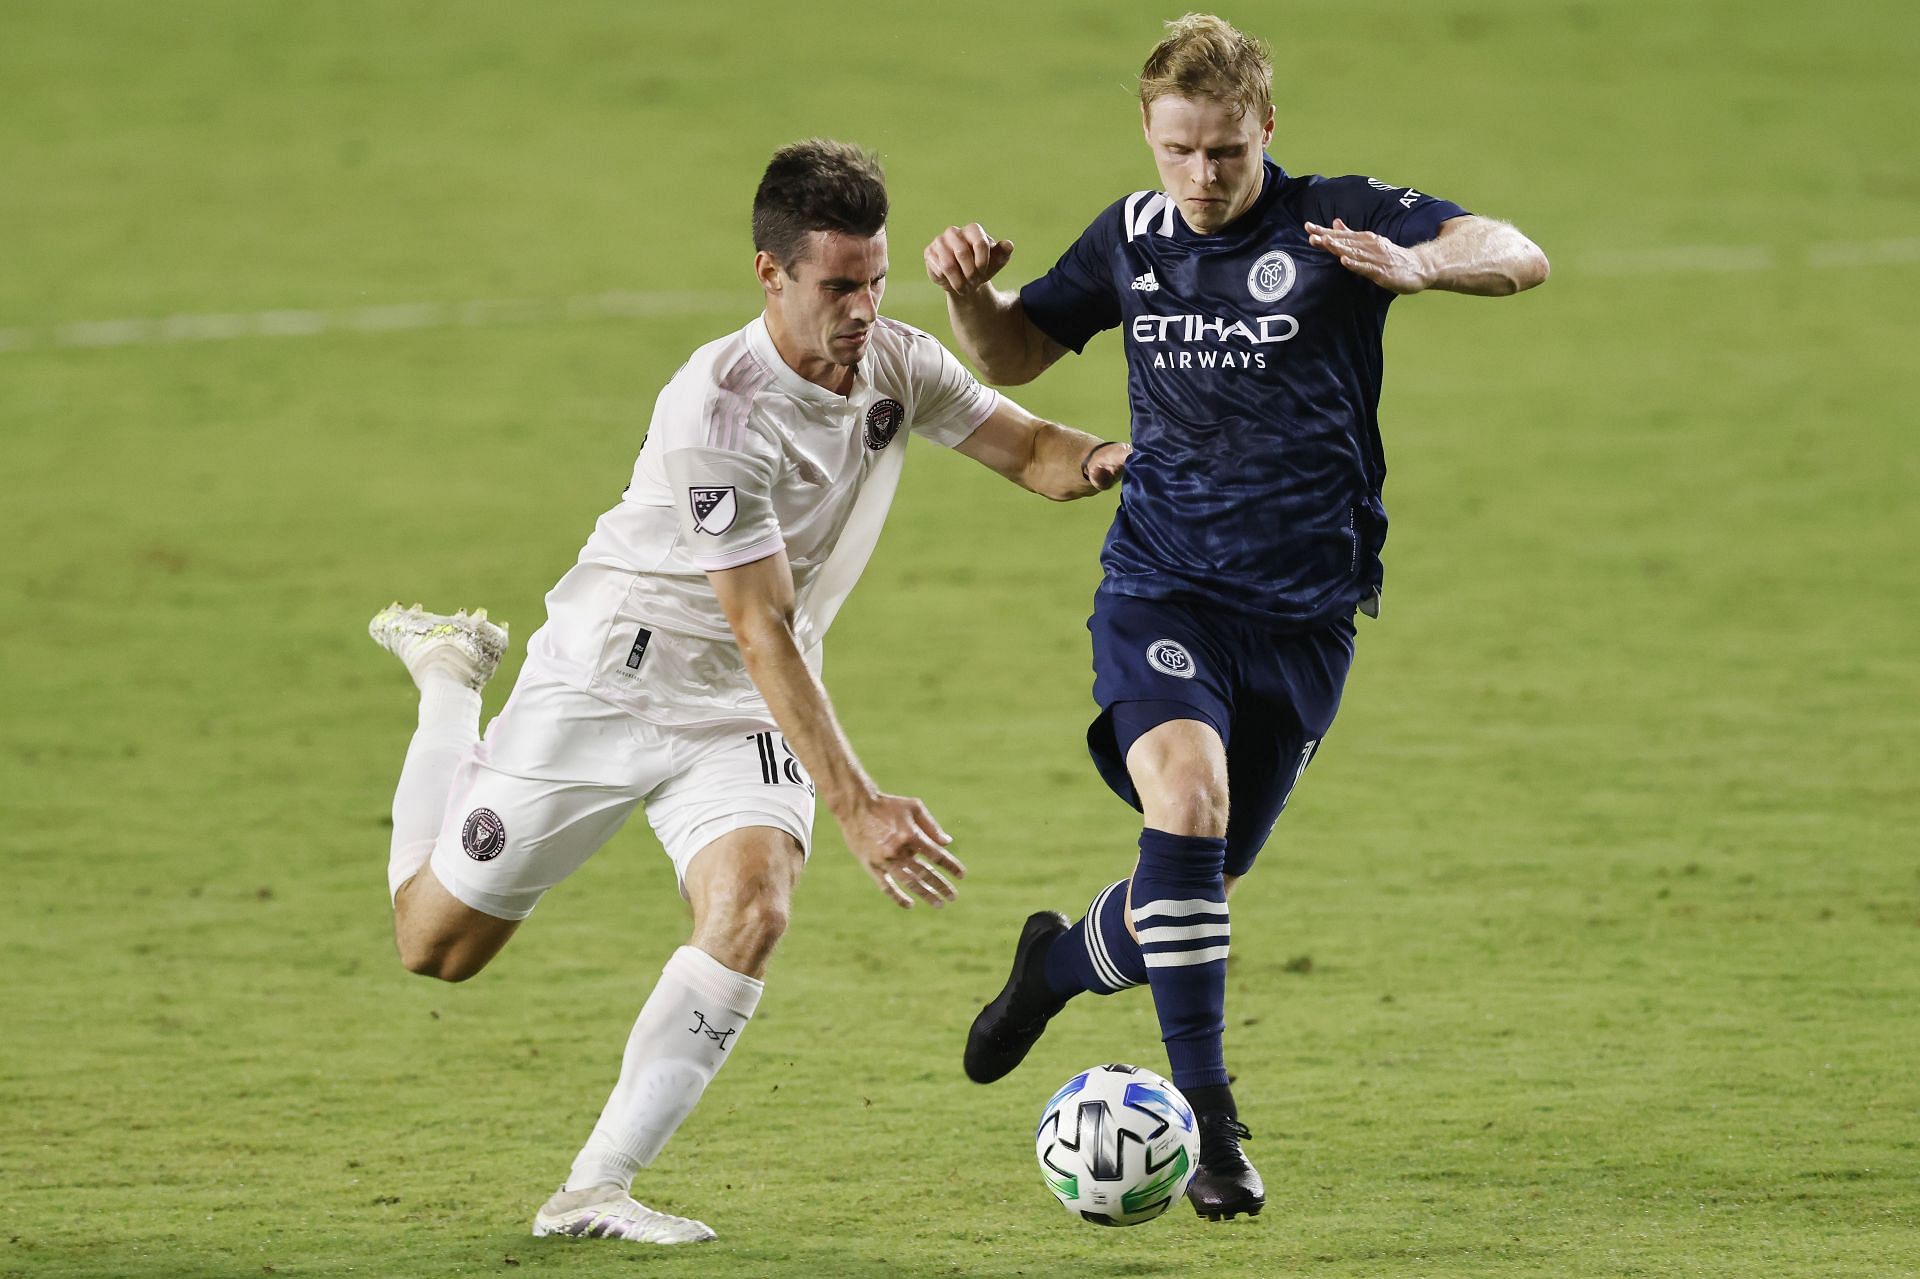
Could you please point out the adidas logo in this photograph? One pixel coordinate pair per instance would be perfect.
(1146, 283)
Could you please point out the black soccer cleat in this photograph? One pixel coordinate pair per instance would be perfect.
(1009, 1026)
(1226, 1184)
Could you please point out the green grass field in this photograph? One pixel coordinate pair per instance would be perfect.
(1591, 945)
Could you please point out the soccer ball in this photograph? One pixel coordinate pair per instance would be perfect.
(1117, 1145)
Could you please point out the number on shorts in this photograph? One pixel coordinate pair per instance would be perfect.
(778, 764)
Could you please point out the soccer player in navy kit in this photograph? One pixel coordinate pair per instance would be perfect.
(1251, 304)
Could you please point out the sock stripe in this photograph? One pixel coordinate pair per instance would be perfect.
(1184, 958)
(1180, 914)
(1183, 932)
(1103, 965)
(1096, 944)
(1190, 906)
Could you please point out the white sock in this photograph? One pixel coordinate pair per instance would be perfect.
(683, 1035)
(449, 726)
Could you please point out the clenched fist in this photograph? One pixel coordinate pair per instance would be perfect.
(961, 259)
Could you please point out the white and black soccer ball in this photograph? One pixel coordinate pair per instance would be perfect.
(1117, 1145)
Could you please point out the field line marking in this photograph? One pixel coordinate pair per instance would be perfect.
(1678, 258)
(630, 304)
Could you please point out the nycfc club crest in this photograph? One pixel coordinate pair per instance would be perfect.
(484, 835)
(714, 509)
(1170, 657)
(1271, 277)
(883, 422)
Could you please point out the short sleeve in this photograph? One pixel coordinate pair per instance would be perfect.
(949, 402)
(1077, 298)
(1405, 215)
(725, 500)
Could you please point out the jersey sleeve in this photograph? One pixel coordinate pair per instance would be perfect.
(1405, 215)
(1077, 298)
(949, 402)
(725, 500)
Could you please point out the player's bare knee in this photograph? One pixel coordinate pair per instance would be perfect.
(1185, 797)
(1181, 774)
(439, 956)
(438, 962)
(758, 912)
(1196, 812)
(761, 924)
(441, 937)
(741, 888)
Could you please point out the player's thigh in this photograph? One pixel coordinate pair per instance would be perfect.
(1277, 731)
(510, 838)
(1263, 768)
(729, 777)
(556, 777)
(1179, 768)
(741, 889)
(1157, 662)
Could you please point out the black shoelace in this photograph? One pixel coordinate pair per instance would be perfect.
(1220, 1138)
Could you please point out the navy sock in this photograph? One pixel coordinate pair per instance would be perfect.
(1212, 1099)
(1097, 954)
(1180, 916)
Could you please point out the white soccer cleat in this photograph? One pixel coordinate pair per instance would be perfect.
(608, 1212)
(465, 645)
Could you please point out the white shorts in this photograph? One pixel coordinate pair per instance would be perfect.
(559, 771)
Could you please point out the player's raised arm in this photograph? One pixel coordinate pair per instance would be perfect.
(893, 836)
(990, 324)
(1045, 457)
(1471, 254)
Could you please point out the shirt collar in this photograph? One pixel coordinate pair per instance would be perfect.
(760, 342)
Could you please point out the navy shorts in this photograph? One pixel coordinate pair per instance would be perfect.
(1270, 693)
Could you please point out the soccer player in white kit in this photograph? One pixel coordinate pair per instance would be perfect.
(679, 666)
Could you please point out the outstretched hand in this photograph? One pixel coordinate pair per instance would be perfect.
(962, 259)
(1371, 257)
(903, 849)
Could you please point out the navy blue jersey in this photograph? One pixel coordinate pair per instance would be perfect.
(1253, 371)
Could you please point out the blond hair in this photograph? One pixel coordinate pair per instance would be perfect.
(1207, 57)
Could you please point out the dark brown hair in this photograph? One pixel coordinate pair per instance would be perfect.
(817, 185)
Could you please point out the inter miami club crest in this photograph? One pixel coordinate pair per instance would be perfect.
(714, 509)
(484, 835)
(883, 423)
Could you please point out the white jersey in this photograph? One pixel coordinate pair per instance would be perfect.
(744, 458)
